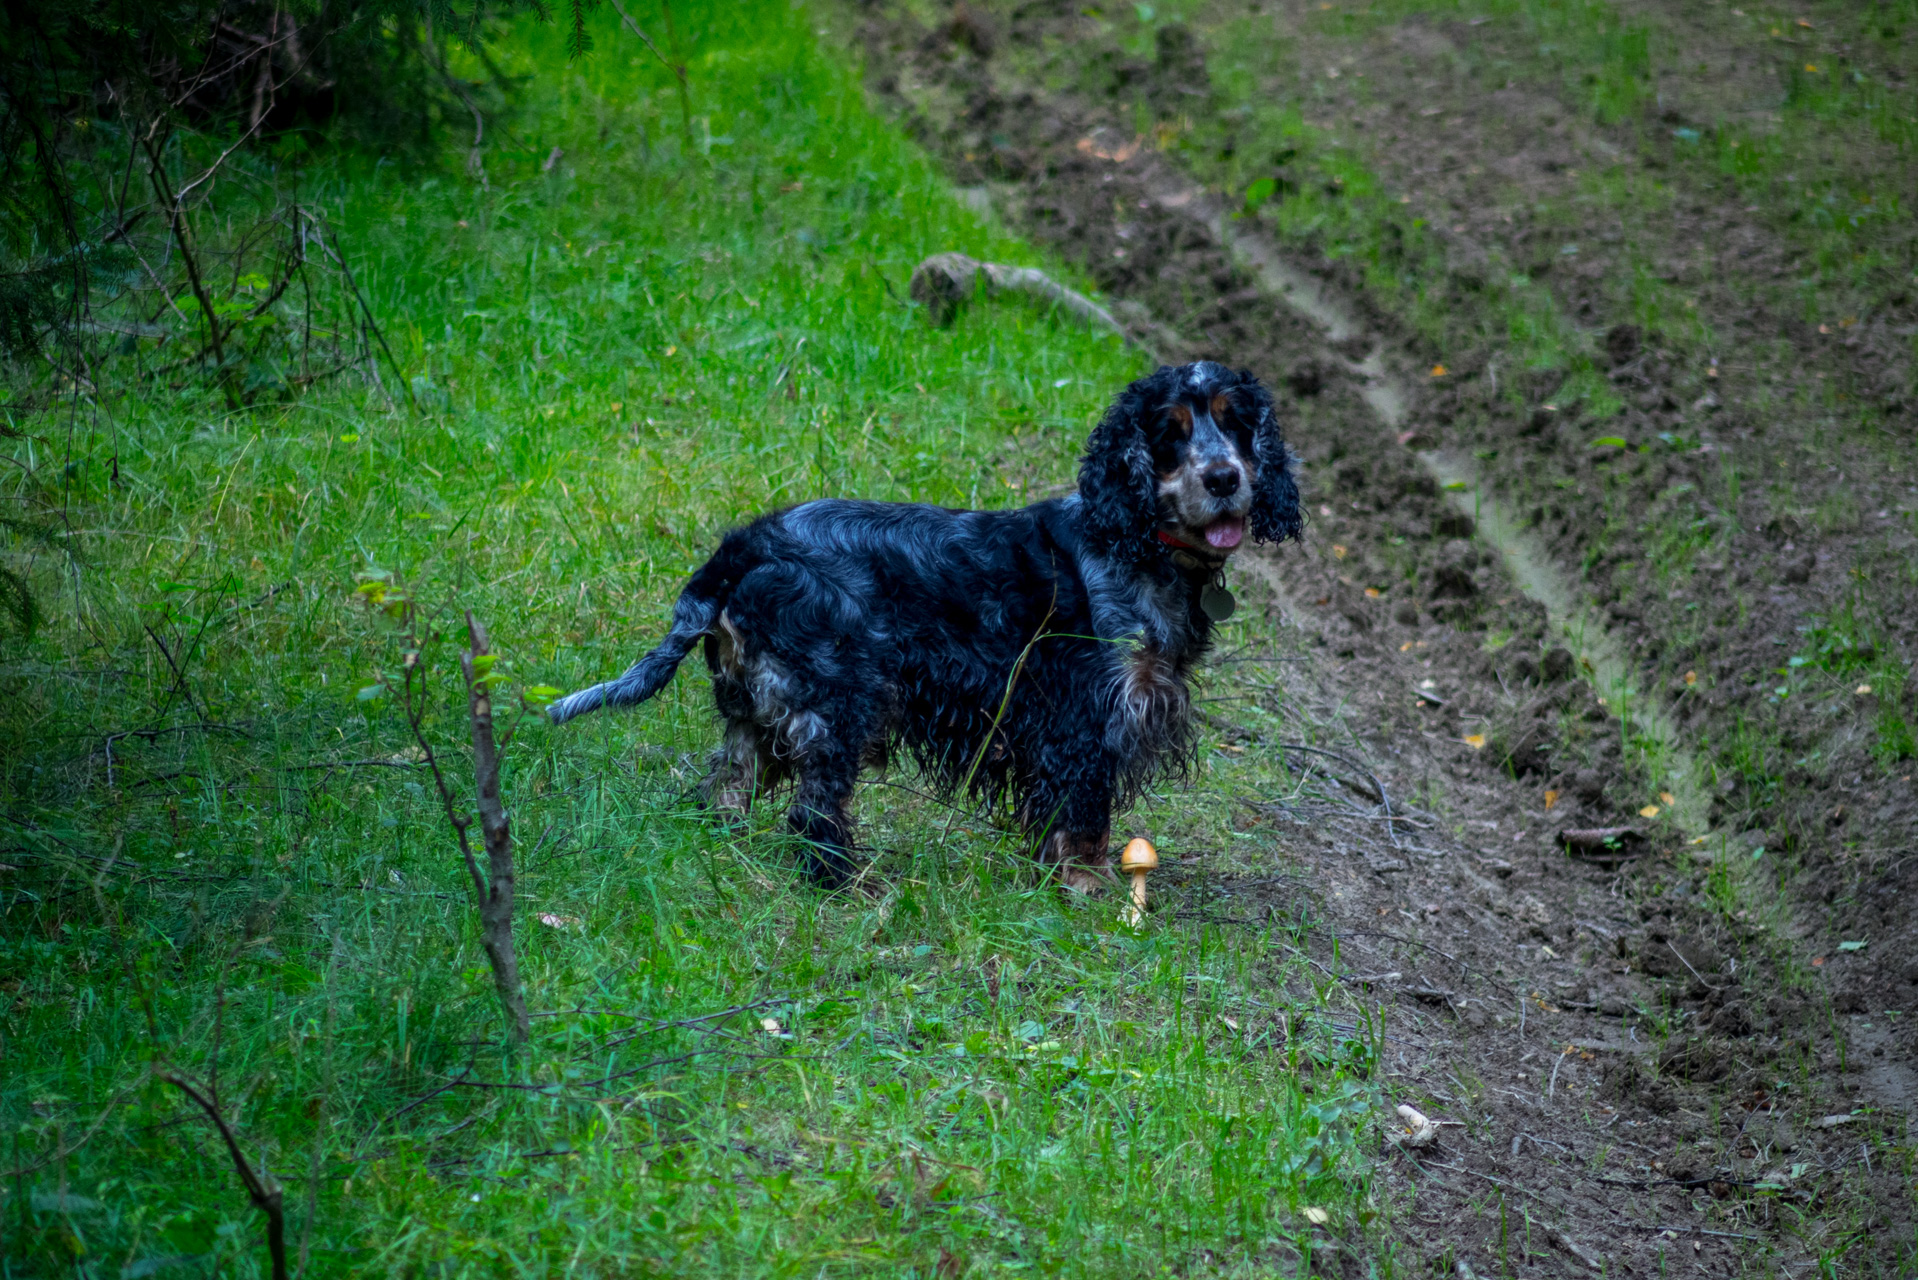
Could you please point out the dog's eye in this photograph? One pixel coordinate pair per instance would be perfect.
(1181, 417)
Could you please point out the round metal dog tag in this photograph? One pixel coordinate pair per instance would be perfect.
(1217, 602)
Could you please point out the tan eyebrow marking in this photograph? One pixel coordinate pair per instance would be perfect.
(1220, 403)
(1182, 416)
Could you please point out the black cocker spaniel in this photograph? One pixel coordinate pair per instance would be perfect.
(1036, 656)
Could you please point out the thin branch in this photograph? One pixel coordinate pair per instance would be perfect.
(678, 70)
(176, 221)
(267, 1199)
(416, 721)
(367, 311)
(1385, 801)
(496, 903)
(65, 1149)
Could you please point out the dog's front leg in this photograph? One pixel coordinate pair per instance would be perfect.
(1080, 858)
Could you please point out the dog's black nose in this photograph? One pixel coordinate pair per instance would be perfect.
(1222, 481)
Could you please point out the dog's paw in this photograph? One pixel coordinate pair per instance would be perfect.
(1086, 881)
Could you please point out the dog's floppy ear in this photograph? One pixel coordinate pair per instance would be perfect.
(1275, 499)
(1117, 487)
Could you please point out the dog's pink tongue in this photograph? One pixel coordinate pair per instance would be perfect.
(1225, 534)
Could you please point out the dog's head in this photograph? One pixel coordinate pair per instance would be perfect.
(1192, 457)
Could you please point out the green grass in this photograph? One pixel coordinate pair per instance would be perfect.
(221, 859)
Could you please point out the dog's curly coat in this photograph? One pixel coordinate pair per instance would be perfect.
(1037, 655)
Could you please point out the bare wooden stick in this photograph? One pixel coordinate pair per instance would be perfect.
(260, 1188)
(496, 900)
(945, 282)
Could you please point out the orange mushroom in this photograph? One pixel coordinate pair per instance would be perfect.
(1139, 857)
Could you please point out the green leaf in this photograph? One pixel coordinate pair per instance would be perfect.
(539, 696)
(371, 692)
(484, 663)
(1859, 945)
(1615, 442)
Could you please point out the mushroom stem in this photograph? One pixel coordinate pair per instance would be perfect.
(1138, 893)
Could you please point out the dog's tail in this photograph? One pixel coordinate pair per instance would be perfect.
(705, 594)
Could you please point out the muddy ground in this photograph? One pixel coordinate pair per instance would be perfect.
(1652, 1070)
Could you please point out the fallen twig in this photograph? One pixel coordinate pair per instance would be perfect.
(1607, 846)
(65, 1149)
(1646, 1184)
(1551, 1089)
(718, 1016)
(945, 281)
(422, 1100)
(1378, 788)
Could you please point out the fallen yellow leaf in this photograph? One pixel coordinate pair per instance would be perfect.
(1862, 689)
(1551, 798)
(671, 350)
(1373, 592)
(1811, 66)
(1316, 1216)
(1691, 677)
(1476, 741)
(1405, 646)
(1666, 796)
(1118, 155)
(616, 406)
(1338, 552)
(1649, 811)
(1439, 371)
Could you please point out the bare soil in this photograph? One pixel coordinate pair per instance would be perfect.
(1647, 1077)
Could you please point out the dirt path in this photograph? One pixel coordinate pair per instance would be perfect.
(1633, 1092)
(1747, 310)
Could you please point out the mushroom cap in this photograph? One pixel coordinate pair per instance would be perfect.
(1139, 855)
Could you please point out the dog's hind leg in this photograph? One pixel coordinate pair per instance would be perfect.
(744, 767)
(827, 754)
